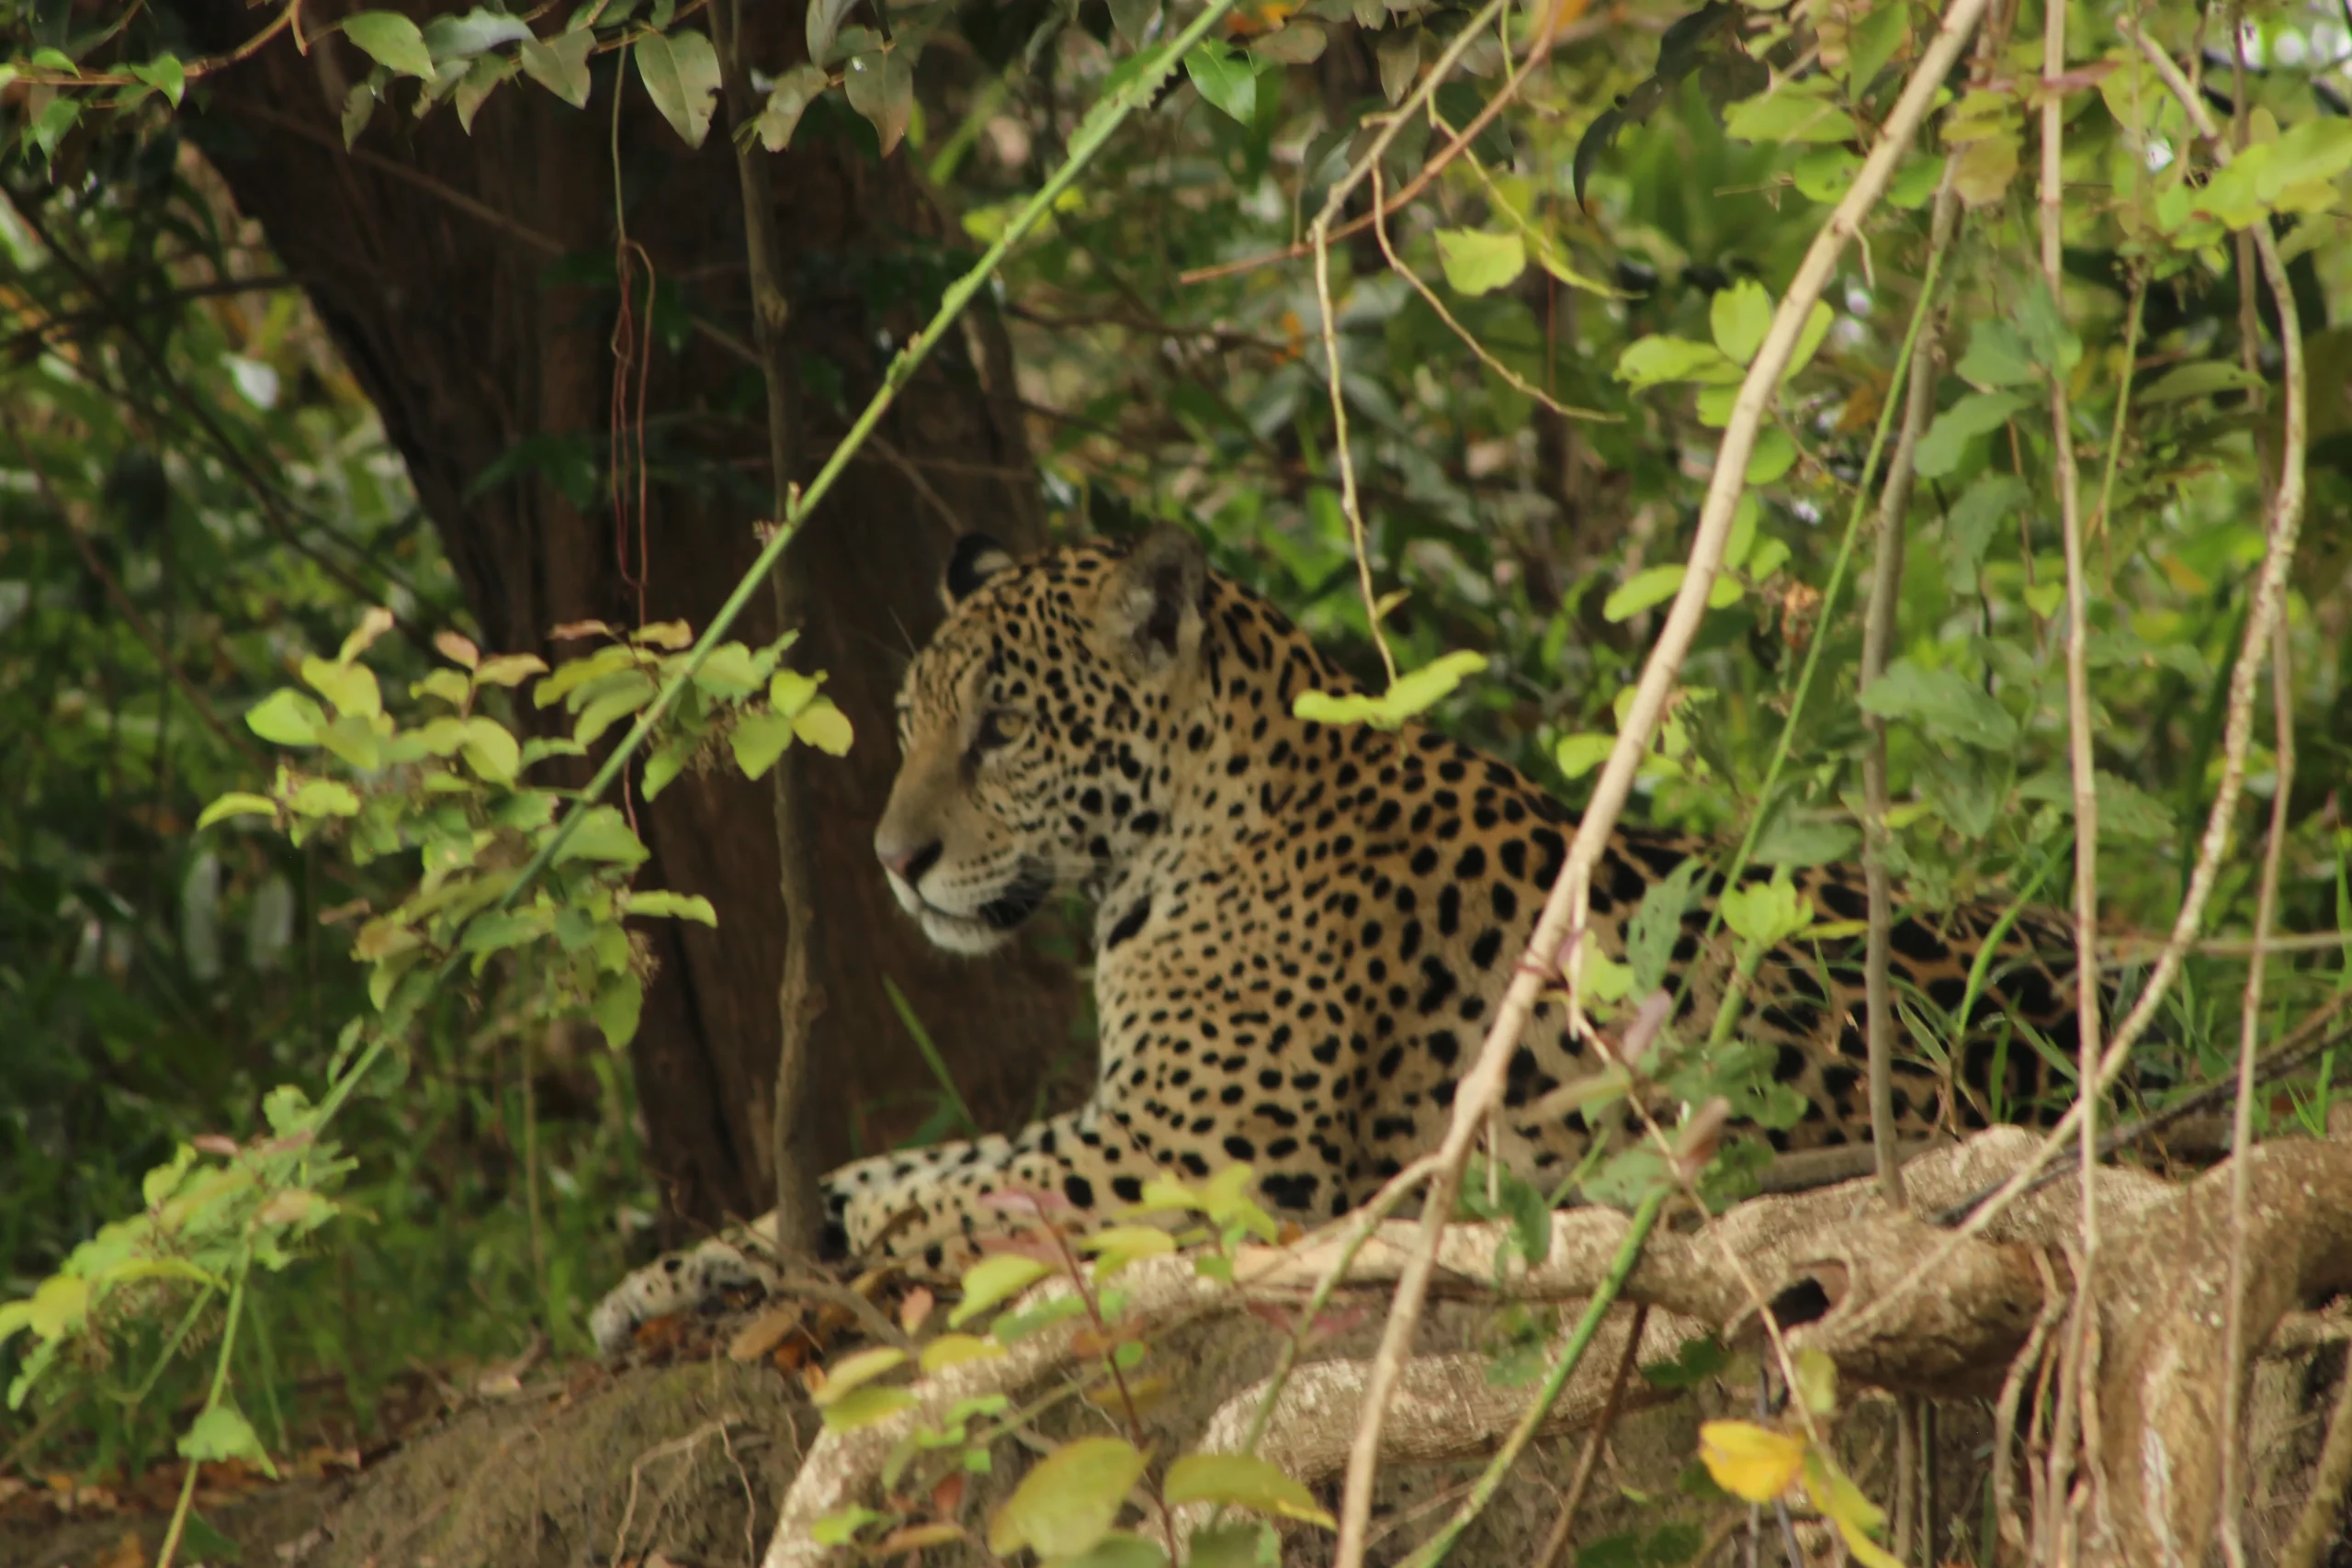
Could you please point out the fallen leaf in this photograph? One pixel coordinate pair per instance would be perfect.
(760, 1337)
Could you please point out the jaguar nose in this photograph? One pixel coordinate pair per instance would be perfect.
(908, 864)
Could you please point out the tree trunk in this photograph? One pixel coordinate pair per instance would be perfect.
(430, 255)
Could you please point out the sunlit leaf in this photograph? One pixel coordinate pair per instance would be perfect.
(1739, 316)
(993, 1280)
(286, 718)
(236, 804)
(1751, 1462)
(679, 906)
(221, 1433)
(1068, 1503)
(1243, 1481)
(392, 40)
(824, 726)
(1478, 262)
(850, 1371)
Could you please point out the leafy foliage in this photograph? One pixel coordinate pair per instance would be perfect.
(1608, 238)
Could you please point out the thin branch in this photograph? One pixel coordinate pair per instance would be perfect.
(1555, 1545)
(1486, 356)
(2267, 899)
(1537, 54)
(2323, 1513)
(1629, 1253)
(70, 321)
(1319, 238)
(192, 71)
(1878, 638)
(2075, 1390)
(800, 996)
(1565, 909)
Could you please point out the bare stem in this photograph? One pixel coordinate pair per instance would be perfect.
(1878, 638)
(2081, 760)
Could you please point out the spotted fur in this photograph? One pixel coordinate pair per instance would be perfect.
(1301, 930)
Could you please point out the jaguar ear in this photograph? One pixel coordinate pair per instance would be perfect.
(978, 557)
(1151, 603)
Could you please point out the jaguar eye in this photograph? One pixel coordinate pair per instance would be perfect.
(999, 727)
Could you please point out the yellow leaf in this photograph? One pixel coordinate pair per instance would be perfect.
(1816, 1381)
(1749, 1461)
(862, 1368)
(1846, 1506)
(955, 1349)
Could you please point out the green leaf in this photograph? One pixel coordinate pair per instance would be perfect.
(491, 750)
(603, 834)
(993, 1279)
(1579, 755)
(221, 1433)
(851, 1372)
(1870, 44)
(1739, 316)
(1657, 925)
(1414, 692)
(237, 803)
(1947, 440)
(286, 718)
(627, 693)
(620, 997)
(480, 29)
(350, 687)
(881, 87)
(324, 798)
(166, 74)
(1066, 1504)
(1478, 262)
(821, 22)
(757, 740)
(392, 40)
(1134, 20)
(1242, 1481)
(824, 726)
(1816, 327)
(560, 64)
(1795, 113)
(1996, 358)
(1943, 701)
(680, 71)
(1767, 462)
(678, 905)
(1993, 500)
(1225, 78)
(865, 1406)
(2200, 380)
(1120, 1549)
(1301, 43)
(1651, 361)
(1399, 58)
(841, 1529)
(1649, 586)
(786, 102)
(790, 691)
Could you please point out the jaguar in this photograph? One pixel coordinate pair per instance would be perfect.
(1302, 930)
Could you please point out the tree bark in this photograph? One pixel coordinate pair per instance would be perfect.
(431, 256)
